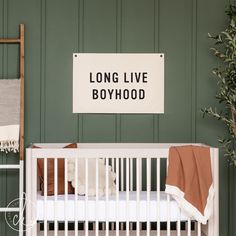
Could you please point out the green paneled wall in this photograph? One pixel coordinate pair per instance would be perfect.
(57, 28)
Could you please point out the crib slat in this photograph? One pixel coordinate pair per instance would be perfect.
(45, 187)
(178, 223)
(138, 196)
(107, 198)
(168, 205)
(31, 188)
(168, 214)
(158, 197)
(131, 180)
(131, 174)
(122, 174)
(86, 196)
(141, 174)
(189, 227)
(122, 182)
(148, 193)
(127, 196)
(55, 196)
(198, 229)
(66, 196)
(141, 178)
(76, 196)
(117, 196)
(97, 181)
(33, 196)
(113, 164)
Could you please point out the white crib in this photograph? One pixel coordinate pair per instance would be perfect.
(139, 206)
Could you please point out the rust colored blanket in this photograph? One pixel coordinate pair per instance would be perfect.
(189, 180)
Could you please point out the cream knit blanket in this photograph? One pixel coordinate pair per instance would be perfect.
(9, 114)
(91, 177)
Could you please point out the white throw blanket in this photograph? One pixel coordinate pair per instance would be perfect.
(91, 177)
(9, 114)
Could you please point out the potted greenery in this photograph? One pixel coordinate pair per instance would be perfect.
(225, 50)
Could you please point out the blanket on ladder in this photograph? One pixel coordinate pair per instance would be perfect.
(189, 180)
(9, 114)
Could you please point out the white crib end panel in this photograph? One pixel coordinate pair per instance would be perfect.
(213, 223)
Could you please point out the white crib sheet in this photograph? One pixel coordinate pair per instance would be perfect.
(66, 211)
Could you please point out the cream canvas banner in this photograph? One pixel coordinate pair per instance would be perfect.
(118, 83)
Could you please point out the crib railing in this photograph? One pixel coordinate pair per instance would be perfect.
(137, 167)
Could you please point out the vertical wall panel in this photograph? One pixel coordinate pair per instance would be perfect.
(137, 128)
(28, 12)
(99, 26)
(137, 36)
(213, 22)
(99, 36)
(61, 42)
(209, 129)
(94, 128)
(5, 32)
(12, 57)
(156, 49)
(80, 49)
(193, 61)
(137, 26)
(175, 38)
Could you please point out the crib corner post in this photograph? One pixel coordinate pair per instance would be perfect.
(28, 189)
(31, 193)
(213, 223)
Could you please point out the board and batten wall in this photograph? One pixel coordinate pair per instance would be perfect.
(57, 28)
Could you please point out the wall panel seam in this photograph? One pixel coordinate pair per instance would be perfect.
(156, 49)
(78, 35)
(5, 34)
(194, 70)
(118, 50)
(43, 71)
(81, 49)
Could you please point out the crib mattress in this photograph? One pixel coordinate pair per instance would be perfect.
(62, 210)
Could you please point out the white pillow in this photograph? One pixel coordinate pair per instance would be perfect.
(91, 177)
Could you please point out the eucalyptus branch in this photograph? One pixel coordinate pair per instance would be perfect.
(216, 115)
(225, 50)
